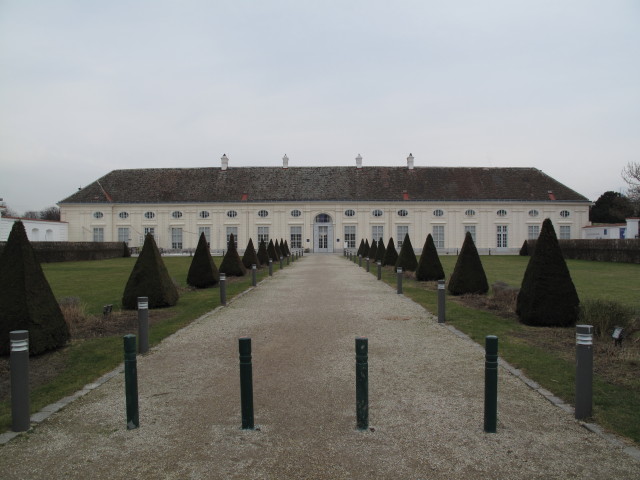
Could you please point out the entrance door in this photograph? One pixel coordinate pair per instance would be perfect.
(323, 234)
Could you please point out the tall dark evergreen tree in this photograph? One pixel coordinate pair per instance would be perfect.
(271, 250)
(202, 272)
(373, 249)
(468, 274)
(263, 255)
(26, 299)
(429, 266)
(283, 251)
(276, 246)
(547, 296)
(407, 257)
(361, 248)
(380, 251)
(250, 256)
(232, 263)
(390, 253)
(150, 278)
(366, 249)
(286, 249)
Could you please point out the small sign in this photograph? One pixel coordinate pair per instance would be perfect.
(617, 333)
(441, 286)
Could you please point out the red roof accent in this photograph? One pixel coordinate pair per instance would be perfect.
(405, 195)
(551, 195)
(245, 197)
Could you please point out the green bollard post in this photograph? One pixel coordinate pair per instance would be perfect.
(362, 383)
(399, 280)
(367, 259)
(223, 289)
(131, 381)
(491, 384)
(379, 270)
(270, 267)
(254, 279)
(246, 383)
(19, 366)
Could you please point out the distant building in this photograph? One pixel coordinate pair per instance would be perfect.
(37, 230)
(324, 208)
(612, 230)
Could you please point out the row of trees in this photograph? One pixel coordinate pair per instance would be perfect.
(50, 213)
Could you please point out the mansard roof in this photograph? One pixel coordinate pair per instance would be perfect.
(316, 184)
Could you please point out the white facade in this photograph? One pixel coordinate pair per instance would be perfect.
(498, 226)
(612, 230)
(37, 230)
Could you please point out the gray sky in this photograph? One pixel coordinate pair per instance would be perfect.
(87, 87)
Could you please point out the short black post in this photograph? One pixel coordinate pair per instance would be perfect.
(143, 324)
(362, 383)
(367, 259)
(223, 289)
(131, 381)
(584, 371)
(19, 366)
(441, 300)
(270, 267)
(379, 270)
(246, 383)
(399, 280)
(254, 274)
(281, 262)
(491, 384)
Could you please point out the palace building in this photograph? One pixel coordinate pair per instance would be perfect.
(324, 209)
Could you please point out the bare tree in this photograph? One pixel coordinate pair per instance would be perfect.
(631, 175)
(51, 213)
(8, 212)
(32, 214)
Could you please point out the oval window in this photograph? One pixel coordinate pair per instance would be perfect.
(349, 213)
(377, 213)
(501, 213)
(438, 213)
(533, 213)
(402, 213)
(204, 214)
(98, 215)
(232, 214)
(296, 213)
(149, 215)
(564, 213)
(176, 214)
(263, 213)
(123, 215)
(470, 213)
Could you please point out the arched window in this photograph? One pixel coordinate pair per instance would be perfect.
(323, 218)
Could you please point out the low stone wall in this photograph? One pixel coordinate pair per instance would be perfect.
(48, 252)
(601, 250)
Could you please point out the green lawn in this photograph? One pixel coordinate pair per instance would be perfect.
(616, 405)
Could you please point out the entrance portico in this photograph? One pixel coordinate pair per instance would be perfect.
(323, 233)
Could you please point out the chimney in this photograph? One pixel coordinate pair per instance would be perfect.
(359, 161)
(551, 195)
(285, 162)
(410, 162)
(225, 162)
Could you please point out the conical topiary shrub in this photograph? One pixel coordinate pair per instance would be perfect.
(468, 274)
(232, 263)
(286, 249)
(250, 256)
(380, 251)
(365, 250)
(373, 249)
(524, 250)
(407, 257)
(390, 253)
(202, 272)
(126, 252)
(547, 296)
(271, 250)
(26, 299)
(150, 278)
(283, 251)
(429, 266)
(361, 248)
(263, 255)
(276, 245)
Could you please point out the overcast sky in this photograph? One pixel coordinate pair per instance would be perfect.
(87, 87)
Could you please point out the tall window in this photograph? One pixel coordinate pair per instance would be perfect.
(438, 236)
(149, 230)
(207, 234)
(296, 237)
(502, 238)
(472, 230)
(232, 231)
(565, 232)
(533, 231)
(377, 232)
(176, 238)
(98, 234)
(263, 234)
(350, 236)
(123, 234)
(402, 231)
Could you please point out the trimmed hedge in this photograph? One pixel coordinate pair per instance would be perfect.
(202, 271)
(407, 257)
(50, 252)
(232, 263)
(26, 299)
(361, 248)
(263, 255)
(429, 266)
(271, 250)
(380, 251)
(468, 274)
(373, 249)
(250, 256)
(599, 250)
(390, 253)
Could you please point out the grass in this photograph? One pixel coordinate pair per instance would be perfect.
(548, 355)
(98, 283)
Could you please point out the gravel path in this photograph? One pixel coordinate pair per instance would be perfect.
(426, 400)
